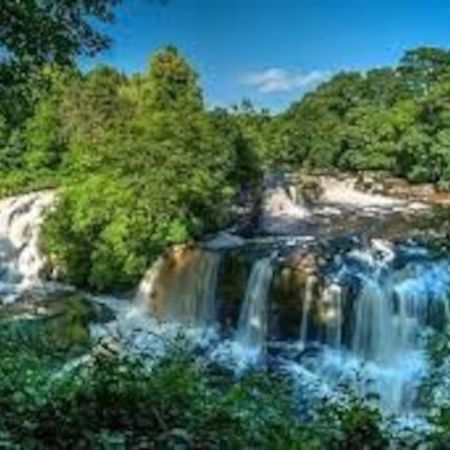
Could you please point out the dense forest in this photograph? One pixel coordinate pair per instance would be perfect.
(393, 119)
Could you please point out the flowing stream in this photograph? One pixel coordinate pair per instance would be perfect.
(375, 331)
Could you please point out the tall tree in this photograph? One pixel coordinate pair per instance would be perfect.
(52, 31)
(38, 33)
(423, 67)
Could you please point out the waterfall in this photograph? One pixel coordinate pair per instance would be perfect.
(375, 328)
(362, 324)
(148, 285)
(181, 287)
(332, 298)
(308, 299)
(21, 262)
(373, 336)
(394, 306)
(252, 326)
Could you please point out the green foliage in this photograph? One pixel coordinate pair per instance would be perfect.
(355, 424)
(140, 171)
(36, 32)
(35, 35)
(62, 335)
(123, 402)
(98, 236)
(142, 164)
(50, 399)
(387, 119)
(177, 403)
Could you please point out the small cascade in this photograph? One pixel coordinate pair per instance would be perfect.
(308, 299)
(148, 285)
(332, 300)
(252, 327)
(181, 287)
(21, 262)
(374, 322)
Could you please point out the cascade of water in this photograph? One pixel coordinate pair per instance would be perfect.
(369, 317)
(148, 285)
(182, 287)
(308, 299)
(21, 262)
(332, 297)
(252, 327)
(392, 307)
(373, 330)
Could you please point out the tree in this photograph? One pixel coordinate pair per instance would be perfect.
(46, 143)
(423, 67)
(148, 170)
(93, 113)
(34, 32)
(386, 119)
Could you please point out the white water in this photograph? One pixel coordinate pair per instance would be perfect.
(375, 332)
(21, 261)
(308, 299)
(364, 327)
(252, 328)
(332, 298)
(248, 345)
(384, 326)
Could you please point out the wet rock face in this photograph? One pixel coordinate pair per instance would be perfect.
(287, 300)
(297, 293)
(309, 191)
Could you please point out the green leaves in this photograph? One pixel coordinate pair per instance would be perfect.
(36, 32)
(144, 171)
(385, 119)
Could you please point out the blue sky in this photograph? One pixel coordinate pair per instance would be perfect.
(272, 51)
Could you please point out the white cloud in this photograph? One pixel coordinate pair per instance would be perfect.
(277, 79)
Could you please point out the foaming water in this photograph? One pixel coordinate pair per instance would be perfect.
(362, 324)
(21, 261)
(252, 327)
(376, 312)
(247, 347)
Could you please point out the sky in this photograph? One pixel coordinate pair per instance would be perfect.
(273, 51)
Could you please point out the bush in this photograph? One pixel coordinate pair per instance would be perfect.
(121, 403)
(353, 425)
